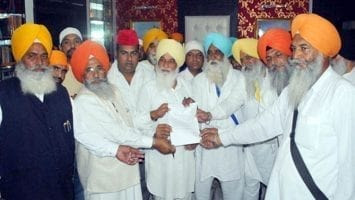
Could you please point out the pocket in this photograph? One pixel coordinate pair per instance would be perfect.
(307, 132)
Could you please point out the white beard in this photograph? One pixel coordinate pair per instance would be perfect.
(339, 66)
(166, 80)
(217, 71)
(35, 82)
(252, 74)
(101, 88)
(279, 79)
(302, 79)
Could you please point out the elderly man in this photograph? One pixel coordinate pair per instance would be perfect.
(129, 79)
(274, 50)
(150, 42)
(69, 39)
(315, 114)
(260, 157)
(168, 176)
(58, 61)
(219, 92)
(36, 136)
(194, 59)
(103, 128)
(344, 67)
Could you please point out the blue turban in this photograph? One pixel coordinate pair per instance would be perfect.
(220, 41)
(233, 39)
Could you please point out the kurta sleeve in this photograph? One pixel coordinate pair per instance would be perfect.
(343, 118)
(266, 125)
(142, 118)
(101, 133)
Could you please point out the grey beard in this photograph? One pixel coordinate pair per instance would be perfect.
(279, 79)
(152, 58)
(165, 81)
(35, 82)
(302, 79)
(339, 66)
(217, 71)
(101, 88)
(253, 74)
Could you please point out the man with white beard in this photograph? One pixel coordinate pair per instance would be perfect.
(168, 176)
(36, 136)
(151, 40)
(107, 168)
(344, 67)
(317, 159)
(259, 157)
(219, 92)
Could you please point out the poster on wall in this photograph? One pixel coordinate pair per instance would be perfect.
(143, 26)
(262, 25)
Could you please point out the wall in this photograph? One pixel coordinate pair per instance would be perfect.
(166, 11)
(250, 10)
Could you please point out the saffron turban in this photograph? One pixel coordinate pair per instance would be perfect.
(68, 31)
(193, 45)
(248, 46)
(83, 53)
(173, 48)
(127, 37)
(58, 58)
(317, 31)
(276, 38)
(27, 34)
(218, 40)
(178, 37)
(151, 35)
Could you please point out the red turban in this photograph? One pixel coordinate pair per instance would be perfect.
(82, 54)
(127, 37)
(275, 38)
(317, 31)
(177, 37)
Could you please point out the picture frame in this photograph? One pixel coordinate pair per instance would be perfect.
(262, 25)
(141, 26)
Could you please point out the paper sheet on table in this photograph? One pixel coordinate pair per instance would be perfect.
(185, 129)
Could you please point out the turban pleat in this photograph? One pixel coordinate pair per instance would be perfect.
(151, 35)
(58, 58)
(247, 45)
(218, 40)
(173, 48)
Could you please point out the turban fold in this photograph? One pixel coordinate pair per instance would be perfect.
(151, 35)
(247, 45)
(218, 40)
(83, 53)
(173, 48)
(276, 38)
(27, 34)
(178, 37)
(193, 45)
(127, 37)
(317, 31)
(58, 58)
(68, 31)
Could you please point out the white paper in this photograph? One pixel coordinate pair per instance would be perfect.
(184, 124)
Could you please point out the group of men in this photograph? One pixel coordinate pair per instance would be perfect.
(126, 113)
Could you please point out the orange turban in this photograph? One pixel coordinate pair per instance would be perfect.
(276, 38)
(27, 34)
(151, 35)
(58, 58)
(178, 37)
(319, 32)
(83, 53)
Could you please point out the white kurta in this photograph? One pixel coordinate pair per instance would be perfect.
(260, 157)
(186, 74)
(350, 76)
(100, 127)
(147, 67)
(167, 176)
(324, 135)
(130, 92)
(224, 163)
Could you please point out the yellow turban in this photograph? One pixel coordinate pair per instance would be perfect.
(317, 31)
(247, 45)
(174, 49)
(151, 35)
(25, 35)
(58, 58)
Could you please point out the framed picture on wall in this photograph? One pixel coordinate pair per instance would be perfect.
(141, 26)
(262, 25)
